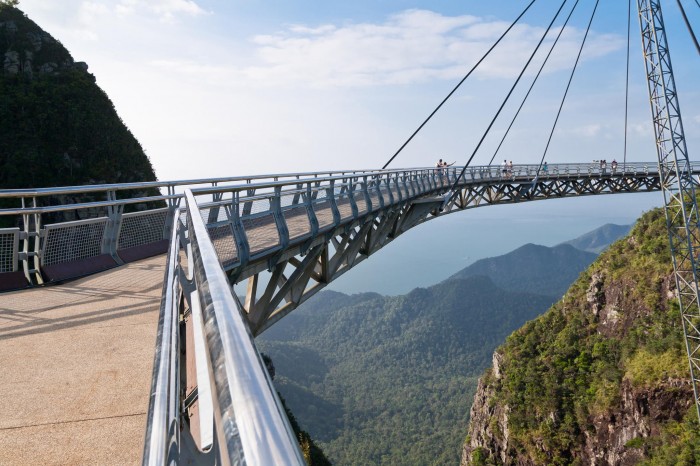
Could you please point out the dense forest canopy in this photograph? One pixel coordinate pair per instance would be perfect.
(57, 126)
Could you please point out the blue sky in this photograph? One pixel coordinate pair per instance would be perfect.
(234, 87)
(255, 86)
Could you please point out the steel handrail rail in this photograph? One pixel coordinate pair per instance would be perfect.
(422, 171)
(251, 422)
(317, 176)
(28, 192)
(162, 424)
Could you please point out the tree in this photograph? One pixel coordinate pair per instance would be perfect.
(4, 3)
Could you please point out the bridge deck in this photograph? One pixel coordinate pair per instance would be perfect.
(75, 362)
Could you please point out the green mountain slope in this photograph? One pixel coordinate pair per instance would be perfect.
(601, 378)
(388, 380)
(57, 127)
(532, 268)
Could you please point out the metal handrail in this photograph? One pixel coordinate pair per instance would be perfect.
(291, 179)
(251, 426)
(349, 195)
(162, 423)
(38, 192)
(250, 421)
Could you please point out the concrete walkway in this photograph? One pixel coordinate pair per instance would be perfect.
(75, 368)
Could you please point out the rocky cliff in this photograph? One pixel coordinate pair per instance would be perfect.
(601, 378)
(57, 127)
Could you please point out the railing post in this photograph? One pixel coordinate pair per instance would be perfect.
(238, 230)
(31, 245)
(313, 220)
(406, 178)
(276, 208)
(378, 183)
(114, 224)
(330, 194)
(173, 211)
(351, 197)
(213, 216)
(389, 179)
(248, 205)
(365, 191)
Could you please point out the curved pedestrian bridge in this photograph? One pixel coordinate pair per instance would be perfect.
(78, 356)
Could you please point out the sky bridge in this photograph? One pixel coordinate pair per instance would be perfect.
(92, 275)
(282, 237)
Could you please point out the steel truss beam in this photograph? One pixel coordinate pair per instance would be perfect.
(680, 203)
(273, 292)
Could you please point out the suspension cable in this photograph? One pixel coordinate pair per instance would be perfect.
(522, 72)
(459, 84)
(627, 77)
(568, 85)
(522, 104)
(687, 25)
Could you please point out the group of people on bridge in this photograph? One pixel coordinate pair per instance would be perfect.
(442, 165)
(604, 166)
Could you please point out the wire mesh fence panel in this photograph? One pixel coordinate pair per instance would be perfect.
(224, 244)
(257, 206)
(344, 206)
(323, 211)
(384, 193)
(214, 214)
(9, 244)
(141, 228)
(65, 242)
(290, 199)
(262, 233)
(374, 199)
(297, 220)
(361, 202)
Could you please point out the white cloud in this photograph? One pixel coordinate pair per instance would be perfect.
(410, 47)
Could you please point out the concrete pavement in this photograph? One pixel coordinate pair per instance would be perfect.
(75, 368)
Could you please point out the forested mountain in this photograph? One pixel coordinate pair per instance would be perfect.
(389, 380)
(57, 127)
(600, 238)
(532, 268)
(600, 378)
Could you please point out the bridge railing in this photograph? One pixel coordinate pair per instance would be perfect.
(82, 237)
(230, 413)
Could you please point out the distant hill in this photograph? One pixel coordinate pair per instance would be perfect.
(57, 127)
(600, 238)
(533, 268)
(388, 380)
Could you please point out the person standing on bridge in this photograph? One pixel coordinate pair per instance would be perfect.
(613, 166)
(545, 168)
(603, 166)
(504, 170)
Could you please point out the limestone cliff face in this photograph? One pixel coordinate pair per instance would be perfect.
(57, 127)
(599, 378)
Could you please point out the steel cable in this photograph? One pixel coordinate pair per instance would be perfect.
(503, 104)
(566, 92)
(459, 84)
(688, 26)
(627, 78)
(556, 40)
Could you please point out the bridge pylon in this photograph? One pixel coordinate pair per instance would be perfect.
(677, 186)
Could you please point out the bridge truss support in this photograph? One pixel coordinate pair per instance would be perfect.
(680, 203)
(278, 285)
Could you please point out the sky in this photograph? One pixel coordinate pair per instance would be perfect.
(235, 87)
